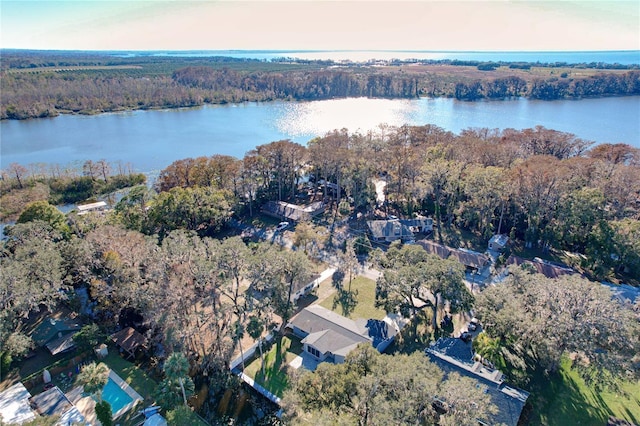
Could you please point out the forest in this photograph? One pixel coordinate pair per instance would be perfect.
(169, 258)
(45, 84)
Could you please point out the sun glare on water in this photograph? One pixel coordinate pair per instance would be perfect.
(355, 114)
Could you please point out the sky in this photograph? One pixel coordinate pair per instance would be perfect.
(472, 25)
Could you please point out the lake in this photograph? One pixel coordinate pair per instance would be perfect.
(151, 140)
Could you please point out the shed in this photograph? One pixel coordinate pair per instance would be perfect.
(128, 339)
(498, 242)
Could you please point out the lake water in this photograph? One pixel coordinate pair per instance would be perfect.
(151, 140)
(624, 57)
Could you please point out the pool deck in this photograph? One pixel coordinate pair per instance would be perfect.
(128, 390)
(87, 405)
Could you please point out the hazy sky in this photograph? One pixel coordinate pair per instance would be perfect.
(372, 25)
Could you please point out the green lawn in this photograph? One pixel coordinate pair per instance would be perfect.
(361, 306)
(131, 374)
(282, 352)
(566, 399)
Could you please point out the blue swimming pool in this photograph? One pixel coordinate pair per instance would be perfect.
(115, 396)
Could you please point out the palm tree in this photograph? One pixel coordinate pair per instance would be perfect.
(176, 385)
(93, 377)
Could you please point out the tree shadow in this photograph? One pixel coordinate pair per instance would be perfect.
(347, 300)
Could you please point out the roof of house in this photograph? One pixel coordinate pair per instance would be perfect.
(128, 339)
(52, 328)
(470, 258)
(293, 212)
(14, 405)
(509, 400)
(328, 331)
(435, 248)
(51, 402)
(389, 228)
(91, 206)
(501, 239)
(547, 269)
(61, 344)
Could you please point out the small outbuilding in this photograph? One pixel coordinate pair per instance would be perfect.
(498, 242)
(129, 340)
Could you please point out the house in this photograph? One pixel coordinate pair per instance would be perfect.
(472, 260)
(14, 405)
(91, 207)
(548, 269)
(387, 231)
(419, 225)
(293, 212)
(434, 248)
(326, 335)
(498, 242)
(56, 334)
(456, 356)
(54, 402)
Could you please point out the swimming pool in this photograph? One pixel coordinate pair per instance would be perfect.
(115, 396)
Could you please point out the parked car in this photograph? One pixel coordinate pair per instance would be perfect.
(465, 336)
(473, 324)
(281, 226)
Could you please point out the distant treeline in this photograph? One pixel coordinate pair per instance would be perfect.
(34, 87)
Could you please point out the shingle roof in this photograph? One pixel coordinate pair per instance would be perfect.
(293, 212)
(14, 405)
(52, 328)
(547, 269)
(389, 228)
(328, 329)
(470, 258)
(509, 400)
(435, 248)
(51, 402)
(128, 339)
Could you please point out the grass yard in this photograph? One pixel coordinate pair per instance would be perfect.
(566, 399)
(361, 306)
(282, 352)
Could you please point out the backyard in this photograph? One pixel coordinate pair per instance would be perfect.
(276, 360)
(359, 302)
(566, 399)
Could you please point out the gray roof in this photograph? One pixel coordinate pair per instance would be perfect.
(51, 402)
(389, 229)
(435, 248)
(328, 331)
(14, 405)
(509, 400)
(62, 344)
(547, 269)
(470, 258)
(293, 212)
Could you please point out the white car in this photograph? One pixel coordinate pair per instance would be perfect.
(281, 226)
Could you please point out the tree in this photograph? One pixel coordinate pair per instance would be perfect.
(42, 210)
(539, 320)
(374, 389)
(255, 328)
(103, 413)
(93, 378)
(177, 386)
(411, 273)
(17, 171)
(88, 337)
(349, 261)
